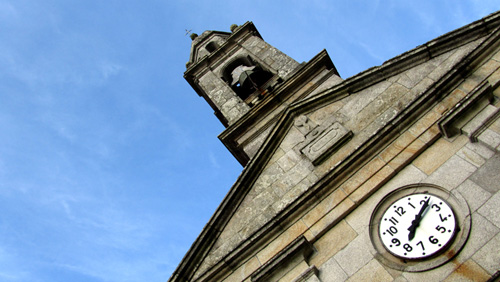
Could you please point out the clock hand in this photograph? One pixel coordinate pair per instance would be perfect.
(416, 222)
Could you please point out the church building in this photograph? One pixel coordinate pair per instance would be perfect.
(390, 175)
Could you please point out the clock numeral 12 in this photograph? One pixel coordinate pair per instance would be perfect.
(400, 211)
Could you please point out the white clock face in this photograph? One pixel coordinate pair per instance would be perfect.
(417, 226)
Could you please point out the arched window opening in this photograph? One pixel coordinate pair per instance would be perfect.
(247, 78)
(211, 46)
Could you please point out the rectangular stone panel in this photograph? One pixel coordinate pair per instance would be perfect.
(326, 142)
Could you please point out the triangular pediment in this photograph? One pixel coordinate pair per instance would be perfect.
(206, 43)
(321, 137)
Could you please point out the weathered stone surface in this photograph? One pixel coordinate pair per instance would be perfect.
(373, 271)
(436, 155)
(282, 241)
(495, 126)
(377, 106)
(355, 103)
(355, 255)
(405, 156)
(253, 146)
(437, 274)
(295, 272)
(488, 257)
(331, 271)
(331, 217)
(372, 184)
(488, 176)
(244, 271)
(471, 156)
(477, 121)
(332, 242)
(409, 175)
(324, 207)
(468, 271)
(454, 58)
(481, 150)
(490, 138)
(397, 146)
(424, 123)
(474, 194)
(452, 173)
(491, 209)
(482, 231)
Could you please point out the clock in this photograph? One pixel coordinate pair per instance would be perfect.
(417, 226)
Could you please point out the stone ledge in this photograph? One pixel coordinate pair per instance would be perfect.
(450, 124)
(300, 246)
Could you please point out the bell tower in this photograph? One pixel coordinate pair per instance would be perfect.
(248, 83)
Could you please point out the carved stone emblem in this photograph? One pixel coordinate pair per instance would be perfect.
(304, 124)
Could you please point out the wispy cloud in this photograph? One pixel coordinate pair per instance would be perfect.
(110, 69)
(213, 160)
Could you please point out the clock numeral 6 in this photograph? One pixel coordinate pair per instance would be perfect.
(433, 240)
(440, 229)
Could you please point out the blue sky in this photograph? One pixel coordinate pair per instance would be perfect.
(109, 162)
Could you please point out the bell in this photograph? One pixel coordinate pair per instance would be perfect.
(240, 74)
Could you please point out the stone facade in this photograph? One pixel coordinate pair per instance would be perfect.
(320, 161)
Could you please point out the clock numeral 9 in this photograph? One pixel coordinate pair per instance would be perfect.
(396, 242)
(433, 240)
(440, 229)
